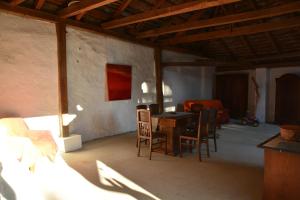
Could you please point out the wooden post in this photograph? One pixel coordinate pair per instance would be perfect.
(62, 76)
(158, 75)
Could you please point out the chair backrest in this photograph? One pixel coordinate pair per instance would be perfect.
(144, 125)
(179, 107)
(203, 123)
(141, 106)
(154, 109)
(212, 123)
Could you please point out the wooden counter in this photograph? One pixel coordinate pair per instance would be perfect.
(282, 169)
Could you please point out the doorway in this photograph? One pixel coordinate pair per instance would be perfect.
(287, 104)
(232, 90)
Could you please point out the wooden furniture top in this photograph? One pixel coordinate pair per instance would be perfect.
(173, 115)
(279, 144)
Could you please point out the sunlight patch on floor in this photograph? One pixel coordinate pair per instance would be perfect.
(112, 180)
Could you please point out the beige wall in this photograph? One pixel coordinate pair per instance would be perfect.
(29, 77)
(87, 57)
(28, 67)
(184, 82)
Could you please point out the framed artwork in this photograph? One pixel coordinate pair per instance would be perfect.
(118, 82)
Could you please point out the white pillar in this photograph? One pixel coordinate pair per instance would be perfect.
(261, 107)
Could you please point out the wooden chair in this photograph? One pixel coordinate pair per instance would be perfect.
(140, 106)
(212, 125)
(154, 109)
(145, 133)
(198, 137)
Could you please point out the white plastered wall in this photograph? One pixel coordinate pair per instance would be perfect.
(28, 67)
(88, 55)
(184, 82)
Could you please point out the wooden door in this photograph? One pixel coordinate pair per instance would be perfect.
(232, 90)
(287, 103)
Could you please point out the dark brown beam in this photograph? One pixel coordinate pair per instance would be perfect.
(16, 2)
(253, 67)
(253, 4)
(244, 30)
(79, 17)
(39, 4)
(82, 7)
(248, 45)
(165, 12)
(295, 54)
(251, 15)
(206, 63)
(121, 8)
(62, 75)
(158, 76)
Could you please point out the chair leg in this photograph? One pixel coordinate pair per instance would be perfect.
(215, 141)
(166, 145)
(150, 141)
(199, 150)
(180, 148)
(191, 146)
(207, 148)
(139, 146)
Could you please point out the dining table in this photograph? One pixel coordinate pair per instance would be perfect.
(172, 124)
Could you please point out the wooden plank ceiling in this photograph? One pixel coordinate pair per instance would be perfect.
(248, 33)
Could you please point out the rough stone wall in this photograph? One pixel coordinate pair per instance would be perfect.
(28, 67)
(87, 57)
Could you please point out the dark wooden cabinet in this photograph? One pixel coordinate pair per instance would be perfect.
(232, 90)
(287, 104)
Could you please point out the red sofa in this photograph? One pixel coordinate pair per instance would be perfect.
(223, 113)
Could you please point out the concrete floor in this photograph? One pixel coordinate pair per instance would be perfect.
(234, 172)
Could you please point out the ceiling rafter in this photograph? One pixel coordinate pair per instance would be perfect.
(121, 8)
(165, 12)
(16, 2)
(248, 45)
(237, 31)
(246, 16)
(39, 4)
(223, 43)
(267, 34)
(82, 7)
(158, 4)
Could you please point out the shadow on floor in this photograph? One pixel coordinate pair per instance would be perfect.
(5, 190)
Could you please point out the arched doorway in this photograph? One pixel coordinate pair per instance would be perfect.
(287, 106)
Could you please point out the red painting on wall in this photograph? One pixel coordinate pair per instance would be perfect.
(118, 82)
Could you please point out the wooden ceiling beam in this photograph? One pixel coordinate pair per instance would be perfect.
(253, 67)
(281, 56)
(16, 2)
(268, 34)
(121, 8)
(238, 31)
(235, 18)
(39, 4)
(165, 12)
(206, 63)
(82, 7)
(248, 45)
